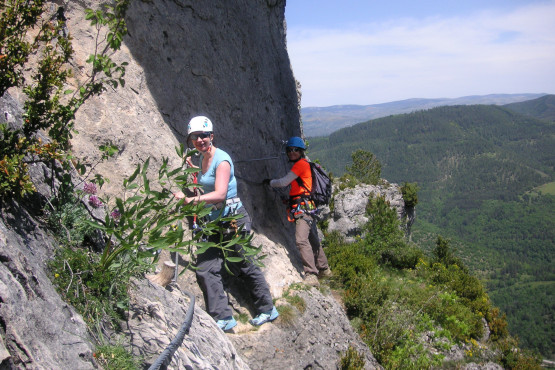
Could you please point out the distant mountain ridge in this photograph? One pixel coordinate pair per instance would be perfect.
(322, 121)
(541, 108)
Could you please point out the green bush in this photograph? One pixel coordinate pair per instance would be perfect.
(512, 357)
(410, 354)
(116, 357)
(347, 181)
(453, 315)
(347, 261)
(97, 295)
(365, 167)
(393, 294)
(497, 323)
(365, 295)
(68, 220)
(410, 194)
(383, 227)
(401, 255)
(443, 253)
(352, 360)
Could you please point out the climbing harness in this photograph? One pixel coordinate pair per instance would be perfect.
(300, 205)
(228, 202)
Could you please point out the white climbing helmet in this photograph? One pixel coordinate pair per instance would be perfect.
(199, 123)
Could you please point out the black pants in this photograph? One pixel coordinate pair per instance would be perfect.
(211, 270)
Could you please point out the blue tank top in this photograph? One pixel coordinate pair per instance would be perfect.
(208, 182)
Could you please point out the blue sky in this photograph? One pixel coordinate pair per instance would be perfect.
(370, 52)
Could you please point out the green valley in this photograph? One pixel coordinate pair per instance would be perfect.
(486, 178)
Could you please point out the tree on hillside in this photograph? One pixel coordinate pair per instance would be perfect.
(366, 168)
(410, 194)
(410, 197)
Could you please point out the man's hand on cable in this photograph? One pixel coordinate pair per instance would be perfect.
(266, 181)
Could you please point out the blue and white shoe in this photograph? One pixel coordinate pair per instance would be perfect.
(227, 323)
(265, 317)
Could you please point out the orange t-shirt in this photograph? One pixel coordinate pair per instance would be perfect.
(301, 168)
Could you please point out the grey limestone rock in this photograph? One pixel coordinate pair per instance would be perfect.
(315, 338)
(350, 206)
(39, 330)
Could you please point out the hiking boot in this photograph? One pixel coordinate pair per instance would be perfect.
(265, 317)
(312, 280)
(227, 323)
(324, 273)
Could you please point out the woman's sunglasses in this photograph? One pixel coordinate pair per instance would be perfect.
(292, 149)
(202, 136)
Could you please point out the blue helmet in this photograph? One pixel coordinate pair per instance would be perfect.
(296, 142)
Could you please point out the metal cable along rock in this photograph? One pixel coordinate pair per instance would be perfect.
(165, 358)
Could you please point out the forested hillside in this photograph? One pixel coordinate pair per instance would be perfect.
(486, 179)
(542, 108)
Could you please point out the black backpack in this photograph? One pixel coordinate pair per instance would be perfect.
(321, 185)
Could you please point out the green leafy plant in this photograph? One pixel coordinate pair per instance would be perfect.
(411, 354)
(146, 220)
(382, 232)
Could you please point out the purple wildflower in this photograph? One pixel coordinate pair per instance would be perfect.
(94, 201)
(89, 188)
(115, 214)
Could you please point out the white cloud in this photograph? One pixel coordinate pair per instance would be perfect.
(431, 58)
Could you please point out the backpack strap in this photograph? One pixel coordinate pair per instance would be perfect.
(301, 183)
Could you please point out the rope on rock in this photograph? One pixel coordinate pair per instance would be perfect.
(256, 159)
(248, 181)
(165, 358)
(281, 151)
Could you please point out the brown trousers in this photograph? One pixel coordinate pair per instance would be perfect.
(313, 256)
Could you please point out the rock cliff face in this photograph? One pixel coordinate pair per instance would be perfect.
(226, 60)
